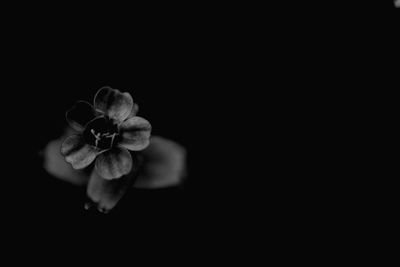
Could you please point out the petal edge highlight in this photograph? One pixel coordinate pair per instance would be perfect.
(77, 152)
(135, 133)
(79, 115)
(113, 103)
(114, 163)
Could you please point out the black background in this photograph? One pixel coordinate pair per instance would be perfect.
(192, 74)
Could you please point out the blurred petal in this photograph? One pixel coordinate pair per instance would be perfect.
(114, 163)
(113, 103)
(135, 133)
(55, 164)
(79, 115)
(164, 164)
(106, 193)
(77, 152)
(134, 111)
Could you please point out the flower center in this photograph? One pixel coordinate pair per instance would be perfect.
(99, 137)
(101, 133)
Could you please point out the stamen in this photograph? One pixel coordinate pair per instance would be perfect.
(107, 135)
(97, 136)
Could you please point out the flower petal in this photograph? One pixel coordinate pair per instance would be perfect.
(164, 164)
(135, 133)
(114, 163)
(106, 193)
(79, 115)
(135, 110)
(113, 103)
(77, 152)
(55, 164)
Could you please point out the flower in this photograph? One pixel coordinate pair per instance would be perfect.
(155, 163)
(105, 133)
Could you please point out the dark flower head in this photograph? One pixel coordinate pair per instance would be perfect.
(106, 131)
